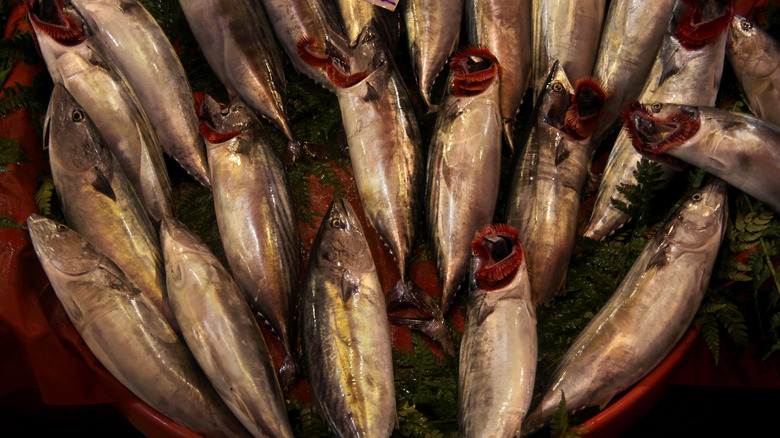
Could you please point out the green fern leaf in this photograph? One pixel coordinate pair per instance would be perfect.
(43, 197)
(6, 222)
(11, 152)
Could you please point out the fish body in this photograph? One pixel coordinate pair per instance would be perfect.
(221, 331)
(344, 330)
(126, 332)
(432, 30)
(680, 74)
(357, 14)
(648, 313)
(137, 46)
(755, 58)
(498, 351)
(255, 213)
(98, 200)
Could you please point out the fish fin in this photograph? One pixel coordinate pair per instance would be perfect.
(562, 150)
(660, 258)
(349, 286)
(435, 327)
(101, 184)
(298, 148)
(288, 372)
(509, 136)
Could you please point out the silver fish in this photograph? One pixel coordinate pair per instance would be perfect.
(687, 70)
(648, 313)
(498, 352)
(235, 38)
(464, 163)
(137, 46)
(632, 35)
(544, 195)
(126, 332)
(256, 216)
(741, 149)
(221, 331)
(111, 104)
(432, 30)
(98, 200)
(755, 59)
(568, 31)
(357, 14)
(344, 330)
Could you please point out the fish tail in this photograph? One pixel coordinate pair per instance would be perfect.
(435, 327)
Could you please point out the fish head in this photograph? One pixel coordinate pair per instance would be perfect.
(555, 97)
(656, 127)
(218, 122)
(702, 218)
(55, 24)
(497, 257)
(697, 23)
(582, 116)
(62, 248)
(474, 70)
(746, 48)
(341, 241)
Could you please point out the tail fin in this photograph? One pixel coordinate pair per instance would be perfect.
(435, 327)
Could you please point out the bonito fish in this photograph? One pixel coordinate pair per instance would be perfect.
(221, 331)
(755, 59)
(648, 313)
(126, 332)
(74, 62)
(256, 216)
(344, 330)
(544, 196)
(464, 164)
(98, 200)
(137, 46)
(498, 352)
(687, 71)
(357, 14)
(739, 148)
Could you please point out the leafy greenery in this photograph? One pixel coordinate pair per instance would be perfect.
(559, 427)
(10, 153)
(6, 222)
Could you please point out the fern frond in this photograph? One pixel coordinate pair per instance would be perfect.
(43, 197)
(6, 222)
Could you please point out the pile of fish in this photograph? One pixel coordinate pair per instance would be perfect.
(134, 280)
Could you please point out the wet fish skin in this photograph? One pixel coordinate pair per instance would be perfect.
(755, 58)
(98, 200)
(114, 109)
(344, 330)
(142, 52)
(126, 332)
(433, 30)
(678, 75)
(357, 14)
(256, 215)
(648, 313)
(220, 329)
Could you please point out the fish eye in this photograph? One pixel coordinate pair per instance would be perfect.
(746, 25)
(337, 223)
(656, 107)
(696, 197)
(77, 116)
(61, 228)
(557, 87)
(238, 107)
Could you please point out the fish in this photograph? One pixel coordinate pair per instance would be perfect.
(498, 351)
(687, 70)
(464, 164)
(220, 330)
(739, 148)
(566, 31)
(504, 28)
(256, 216)
(73, 61)
(345, 333)
(629, 42)
(357, 14)
(647, 314)
(126, 332)
(136, 45)
(235, 38)
(755, 59)
(433, 32)
(548, 176)
(97, 199)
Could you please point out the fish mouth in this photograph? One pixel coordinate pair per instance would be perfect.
(475, 69)
(498, 247)
(331, 59)
(47, 16)
(653, 133)
(703, 22)
(206, 107)
(583, 115)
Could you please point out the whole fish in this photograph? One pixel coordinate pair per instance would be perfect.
(357, 14)
(568, 31)
(687, 71)
(221, 331)
(344, 330)
(98, 200)
(126, 332)
(504, 28)
(739, 148)
(648, 313)
(543, 201)
(498, 352)
(432, 30)
(464, 163)
(632, 35)
(755, 59)
(235, 38)
(74, 62)
(137, 46)
(256, 216)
